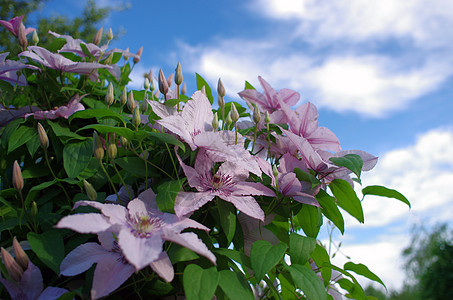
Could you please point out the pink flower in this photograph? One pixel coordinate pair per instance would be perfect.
(141, 230)
(61, 63)
(228, 183)
(8, 70)
(14, 24)
(64, 111)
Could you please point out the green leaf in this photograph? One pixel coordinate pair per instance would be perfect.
(227, 213)
(165, 138)
(199, 283)
(200, 83)
(264, 257)
(382, 191)
(9, 224)
(32, 192)
(248, 86)
(356, 289)
(310, 219)
(10, 128)
(135, 166)
(330, 209)
(20, 136)
(352, 162)
(300, 248)
(306, 176)
(321, 257)
(49, 248)
(104, 129)
(235, 255)
(308, 282)
(86, 51)
(98, 113)
(234, 285)
(64, 132)
(347, 198)
(77, 156)
(33, 145)
(166, 194)
(363, 270)
(178, 253)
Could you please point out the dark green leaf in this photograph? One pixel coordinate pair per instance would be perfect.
(9, 224)
(248, 86)
(356, 289)
(352, 162)
(10, 128)
(77, 156)
(363, 270)
(308, 282)
(49, 248)
(330, 209)
(308, 177)
(199, 283)
(234, 285)
(86, 51)
(300, 248)
(64, 132)
(105, 129)
(166, 194)
(321, 257)
(165, 138)
(200, 83)
(178, 253)
(227, 213)
(20, 136)
(235, 255)
(382, 191)
(99, 113)
(310, 219)
(33, 145)
(264, 257)
(135, 166)
(347, 198)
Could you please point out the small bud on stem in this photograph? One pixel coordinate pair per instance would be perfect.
(43, 139)
(97, 38)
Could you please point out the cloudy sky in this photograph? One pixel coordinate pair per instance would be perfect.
(380, 73)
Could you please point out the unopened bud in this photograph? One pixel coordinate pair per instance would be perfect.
(98, 149)
(221, 102)
(144, 105)
(43, 139)
(90, 191)
(109, 59)
(123, 98)
(178, 74)
(146, 84)
(136, 118)
(131, 102)
(21, 36)
(267, 118)
(109, 97)
(97, 38)
(229, 120)
(34, 209)
(220, 88)
(256, 114)
(170, 80)
(152, 87)
(13, 268)
(215, 122)
(123, 141)
(110, 34)
(125, 56)
(21, 256)
(35, 37)
(150, 75)
(138, 56)
(163, 84)
(184, 89)
(274, 171)
(111, 148)
(234, 113)
(203, 90)
(18, 181)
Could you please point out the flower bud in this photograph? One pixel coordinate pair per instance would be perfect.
(203, 90)
(34, 209)
(256, 114)
(163, 84)
(13, 268)
(229, 120)
(21, 36)
(111, 148)
(221, 102)
(274, 171)
(21, 256)
(234, 113)
(43, 139)
(184, 89)
(170, 80)
(215, 122)
(98, 149)
(178, 74)
(97, 38)
(267, 118)
(90, 191)
(123, 141)
(126, 57)
(220, 88)
(110, 34)
(152, 87)
(18, 181)
(123, 98)
(144, 105)
(131, 102)
(136, 118)
(146, 84)
(150, 75)
(108, 60)
(35, 37)
(138, 56)
(109, 97)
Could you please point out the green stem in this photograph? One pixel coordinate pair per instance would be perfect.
(122, 180)
(172, 161)
(56, 178)
(146, 168)
(148, 162)
(110, 180)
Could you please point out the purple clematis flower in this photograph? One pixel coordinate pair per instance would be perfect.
(59, 62)
(8, 70)
(141, 229)
(64, 111)
(228, 183)
(14, 24)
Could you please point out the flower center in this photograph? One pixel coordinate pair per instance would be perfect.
(143, 225)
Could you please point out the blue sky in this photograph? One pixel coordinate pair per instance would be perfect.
(380, 73)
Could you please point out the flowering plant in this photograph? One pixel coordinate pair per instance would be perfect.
(216, 198)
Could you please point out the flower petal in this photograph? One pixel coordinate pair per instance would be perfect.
(187, 202)
(85, 223)
(52, 293)
(189, 240)
(246, 204)
(140, 252)
(31, 282)
(163, 267)
(82, 258)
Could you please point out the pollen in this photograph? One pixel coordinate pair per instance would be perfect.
(143, 225)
